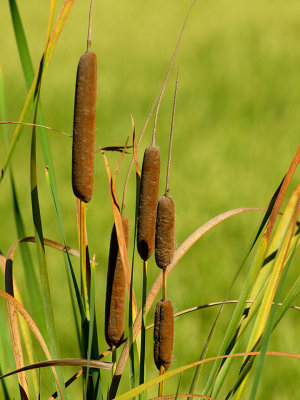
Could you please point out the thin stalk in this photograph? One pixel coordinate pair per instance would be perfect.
(113, 358)
(171, 136)
(161, 384)
(143, 328)
(159, 94)
(164, 285)
(89, 38)
(82, 245)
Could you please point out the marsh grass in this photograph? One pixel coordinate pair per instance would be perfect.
(210, 269)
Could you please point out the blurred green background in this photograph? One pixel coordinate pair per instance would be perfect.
(236, 131)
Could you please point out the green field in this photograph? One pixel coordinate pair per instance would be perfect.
(236, 131)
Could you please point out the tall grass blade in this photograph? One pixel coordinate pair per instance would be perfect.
(131, 342)
(69, 267)
(290, 297)
(32, 91)
(30, 274)
(38, 233)
(91, 335)
(286, 229)
(21, 43)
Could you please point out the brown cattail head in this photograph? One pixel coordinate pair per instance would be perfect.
(84, 127)
(115, 290)
(148, 202)
(163, 333)
(165, 232)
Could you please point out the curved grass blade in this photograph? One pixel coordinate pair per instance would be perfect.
(62, 362)
(38, 125)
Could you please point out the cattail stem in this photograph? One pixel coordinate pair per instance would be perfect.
(161, 384)
(143, 328)
(114, 359)
(82, 245)
(171, 135)
(164, 284)
(89, 38)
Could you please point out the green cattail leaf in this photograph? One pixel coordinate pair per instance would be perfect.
(285, 232)
(66, 8)
(255, 268)
(30, 273)
(21, 43)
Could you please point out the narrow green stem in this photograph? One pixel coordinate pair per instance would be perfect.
(143, 328)
(164, 285)
(161, 384)
(82, 244)
(114, 359)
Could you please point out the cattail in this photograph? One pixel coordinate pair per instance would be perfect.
(148, 202)
(165, 232)
(163, 333)
(115, 290)
(84, 127)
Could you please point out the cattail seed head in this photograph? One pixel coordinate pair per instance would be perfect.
(165, 232)
(84, 127)
(115, 290)
(163, 333)
(148, 202)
